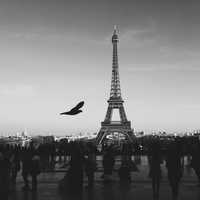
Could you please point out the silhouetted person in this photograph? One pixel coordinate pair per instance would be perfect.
(90, 166)
(30, 166)
(108, 164)
(174, 167)
(4, 176)
(26, 167)
(73, 180)
(137, 154)
(124, 171)
(15, 166)
(52, 151)
(35, 170)
(195, 162)
(43, 157)
(155, 160)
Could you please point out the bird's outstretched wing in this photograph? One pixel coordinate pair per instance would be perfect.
(71, 113)
(78, 106)
(64, 113)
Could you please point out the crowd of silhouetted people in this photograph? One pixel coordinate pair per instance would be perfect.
(13, 160)
(80, 159)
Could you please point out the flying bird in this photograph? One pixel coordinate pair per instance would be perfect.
(75, 110)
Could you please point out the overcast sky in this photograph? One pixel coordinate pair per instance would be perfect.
(54, 53)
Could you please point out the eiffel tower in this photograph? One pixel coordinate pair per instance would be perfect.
(115, 101)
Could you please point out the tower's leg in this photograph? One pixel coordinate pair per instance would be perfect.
(122, 114)
(101, 135)
(108, 114)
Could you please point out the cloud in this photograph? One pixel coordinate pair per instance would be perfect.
(140, 37)
(46, 35)
(39, 33)
(17, 90)
(26, 36)
(164, 67)
(134, 33)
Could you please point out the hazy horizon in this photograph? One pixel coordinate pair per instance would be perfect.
(57, 53)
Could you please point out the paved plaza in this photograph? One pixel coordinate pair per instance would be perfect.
(48, 190)
(140, 187)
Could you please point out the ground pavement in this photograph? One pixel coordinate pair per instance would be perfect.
(139, 189)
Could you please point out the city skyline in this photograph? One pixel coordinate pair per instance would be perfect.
(55, 54)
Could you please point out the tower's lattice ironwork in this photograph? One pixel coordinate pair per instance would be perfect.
(115, 102)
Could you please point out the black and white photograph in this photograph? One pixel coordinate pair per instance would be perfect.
(99, 100)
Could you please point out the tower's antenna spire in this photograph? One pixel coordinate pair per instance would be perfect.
(115, 29)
